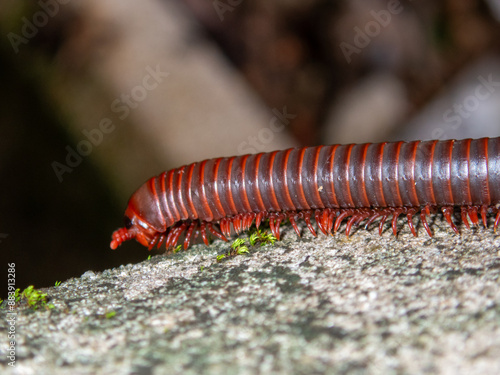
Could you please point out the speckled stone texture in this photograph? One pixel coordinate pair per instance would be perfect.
(358, 304)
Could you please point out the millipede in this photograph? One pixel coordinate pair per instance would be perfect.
(355, 183)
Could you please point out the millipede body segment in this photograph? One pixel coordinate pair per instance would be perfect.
(356, 182)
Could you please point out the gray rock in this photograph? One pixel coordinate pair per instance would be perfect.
(337, 304)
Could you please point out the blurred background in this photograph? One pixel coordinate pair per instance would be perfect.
(98, 96)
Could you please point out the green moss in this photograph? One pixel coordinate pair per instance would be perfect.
(262, 237)
(33, 297)
(240, 245)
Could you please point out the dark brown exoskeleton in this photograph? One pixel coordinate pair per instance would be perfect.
(330, 183)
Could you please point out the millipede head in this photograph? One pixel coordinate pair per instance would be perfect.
(136, 228)
(143, 221)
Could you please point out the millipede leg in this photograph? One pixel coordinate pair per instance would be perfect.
(472, 211)
(307, 219)
(153, 241)
(237, 223)
(161, 240)
(375, 215)
(212, 230)
(251, 218)
(274, 224)
(291, 218)
(168, 240)
(423, 217)
(244, 222)
(355, 219)
(329, 219)
(325, 219)
(447, 212)
(225, 227)
(394, 222)
(318, 216)
(484, 213)
(189, 234)
(465, 216)
(258, 218)
(247, 221)
(381, 225)
(173, 236)
(203, 230)
(409, 218)
(278, 223)
(340, 218)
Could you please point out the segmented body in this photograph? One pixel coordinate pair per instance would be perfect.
(330, 183)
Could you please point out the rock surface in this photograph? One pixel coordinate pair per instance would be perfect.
(358, 304)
